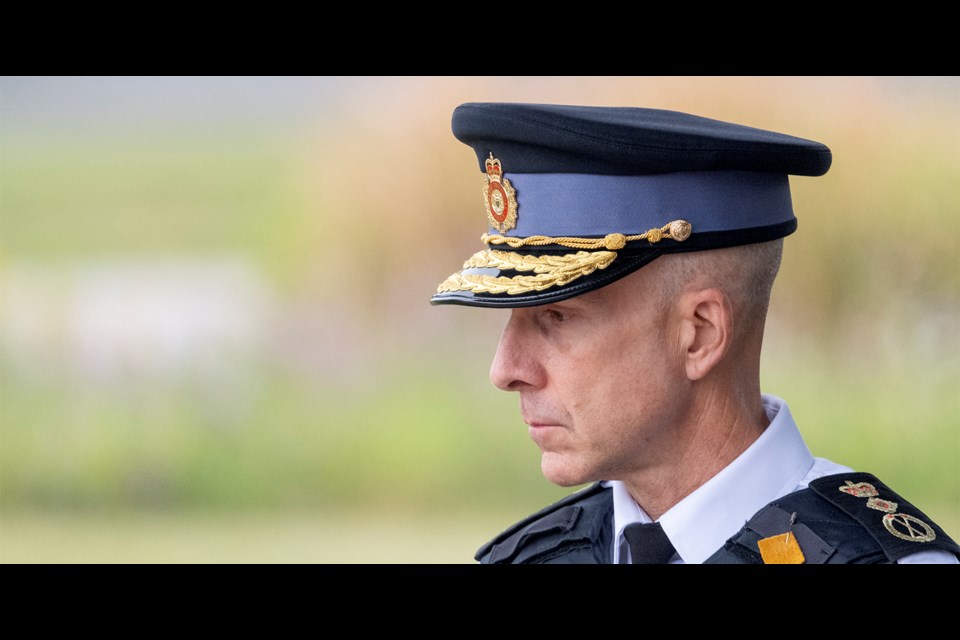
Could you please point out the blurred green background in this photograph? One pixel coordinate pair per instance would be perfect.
(216, 346)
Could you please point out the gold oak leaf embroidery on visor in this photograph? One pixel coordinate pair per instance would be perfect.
(549, 271)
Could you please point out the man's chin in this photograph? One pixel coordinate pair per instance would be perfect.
(561, 472)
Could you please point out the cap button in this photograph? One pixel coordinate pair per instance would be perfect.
(680, 230)
(614, 241)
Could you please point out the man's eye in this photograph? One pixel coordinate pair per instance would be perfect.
(556, 316)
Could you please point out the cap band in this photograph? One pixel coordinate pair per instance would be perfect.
(573, 204)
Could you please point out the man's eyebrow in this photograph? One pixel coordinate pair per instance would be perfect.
(589, 300)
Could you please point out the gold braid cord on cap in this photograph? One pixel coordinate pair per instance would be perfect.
(551, 271)
(678, 230)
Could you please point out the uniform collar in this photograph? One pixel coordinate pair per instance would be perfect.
(702, 522)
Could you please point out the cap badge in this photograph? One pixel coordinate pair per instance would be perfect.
(500, 197)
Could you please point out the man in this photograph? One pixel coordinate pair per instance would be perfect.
(637, 249)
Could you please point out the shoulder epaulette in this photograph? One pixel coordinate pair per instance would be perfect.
(898, 527)
(838, 519)
(565, 525)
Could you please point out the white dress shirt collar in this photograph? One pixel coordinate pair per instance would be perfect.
(773, 466)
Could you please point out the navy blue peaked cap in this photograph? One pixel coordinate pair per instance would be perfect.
(546, 138)
(578, 197)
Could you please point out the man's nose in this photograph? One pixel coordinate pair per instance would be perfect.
(516, 365)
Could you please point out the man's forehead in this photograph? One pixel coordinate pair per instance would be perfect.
(635, 289)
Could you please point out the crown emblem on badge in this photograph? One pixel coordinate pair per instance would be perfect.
(499, 197)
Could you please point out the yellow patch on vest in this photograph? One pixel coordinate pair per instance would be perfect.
(781, 549)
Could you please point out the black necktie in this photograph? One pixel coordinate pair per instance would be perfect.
(648, 543)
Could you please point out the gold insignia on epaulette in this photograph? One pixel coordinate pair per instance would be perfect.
(500, 197)
(860, 490)
(887, 506)
(902, 525)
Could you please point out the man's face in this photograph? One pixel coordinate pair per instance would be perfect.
(599, 377)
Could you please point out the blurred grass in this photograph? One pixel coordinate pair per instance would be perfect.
(411, 440)
(240, 537)
(354, 220)
(414, 442)
(80, 197)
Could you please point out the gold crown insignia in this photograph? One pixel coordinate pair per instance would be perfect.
(494, 167)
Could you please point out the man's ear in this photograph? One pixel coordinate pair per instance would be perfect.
(706, 330)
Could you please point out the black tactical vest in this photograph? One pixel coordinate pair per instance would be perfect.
(849, 518)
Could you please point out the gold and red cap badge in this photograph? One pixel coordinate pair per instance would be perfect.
(499, 197)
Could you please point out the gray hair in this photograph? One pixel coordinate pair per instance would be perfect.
(744, 273)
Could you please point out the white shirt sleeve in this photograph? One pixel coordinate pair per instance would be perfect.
(929, 557)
